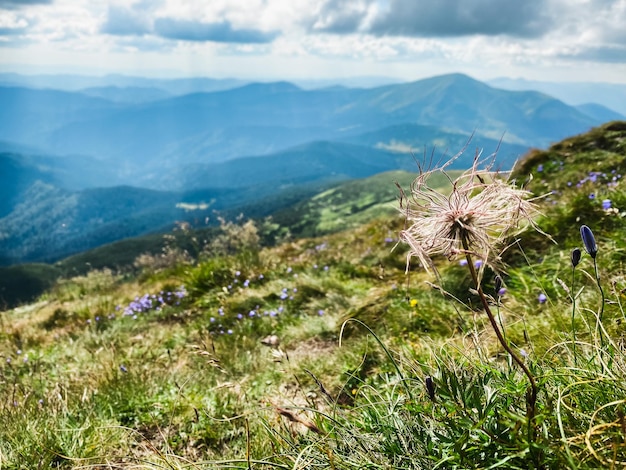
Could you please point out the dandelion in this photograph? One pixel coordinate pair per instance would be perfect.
(413, 303)
(476, 218)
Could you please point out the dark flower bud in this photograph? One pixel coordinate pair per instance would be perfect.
(497, 283)
(430, 387)
(589, 241)
(575, 256)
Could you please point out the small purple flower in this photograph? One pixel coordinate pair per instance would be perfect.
(123, 368)
(539, 168)
(502, 291)
(320, 312)
(478, 264)
(542, 298)
(606, 204)
(239, 316)
(246, 283)
(592, 196)
(237, 273)
(230, 332)
(463, 262)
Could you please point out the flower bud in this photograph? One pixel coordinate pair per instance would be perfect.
(430, 387)
(589, 241)
(575, 256)
(497, 283)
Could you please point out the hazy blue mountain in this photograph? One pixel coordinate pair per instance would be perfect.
(599, 112)
(28, 116)
(316, 161)
(611, 95)
(69, 82)
(129, 95)
(422, 140)
(17, 177)
(262, 118)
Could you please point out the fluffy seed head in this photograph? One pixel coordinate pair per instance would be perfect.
(479, 214)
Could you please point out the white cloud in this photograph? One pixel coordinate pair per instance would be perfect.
(366, 36)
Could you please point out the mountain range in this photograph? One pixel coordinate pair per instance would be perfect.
(81, 167)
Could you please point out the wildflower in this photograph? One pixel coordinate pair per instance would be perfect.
(539, 168)
(589, 241)
(476, 217)
(501, 291)
(413, 303)
(606, 204)
(320, 312)
(575, 257)
(463, 262)
(123, 368)
(542, 298)
(592, 196)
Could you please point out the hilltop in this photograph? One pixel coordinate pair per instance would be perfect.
(321, 352)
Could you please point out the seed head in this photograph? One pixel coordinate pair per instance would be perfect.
(481, 211)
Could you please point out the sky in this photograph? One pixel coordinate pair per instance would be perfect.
(549, 40)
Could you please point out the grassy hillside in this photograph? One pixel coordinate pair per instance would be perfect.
(322, 353)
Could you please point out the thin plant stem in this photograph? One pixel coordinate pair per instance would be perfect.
(532, 396)
(601, 311)
(573, 315)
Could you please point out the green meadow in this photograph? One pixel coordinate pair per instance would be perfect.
(303, 342)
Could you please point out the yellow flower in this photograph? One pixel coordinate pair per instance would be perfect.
(413, 303)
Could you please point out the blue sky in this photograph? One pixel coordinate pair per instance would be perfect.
(553, 40)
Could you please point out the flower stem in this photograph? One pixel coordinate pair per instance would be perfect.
(573, 315)
(531, 396)
(601, 311)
